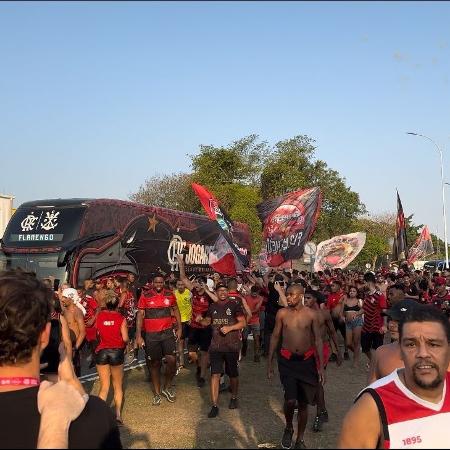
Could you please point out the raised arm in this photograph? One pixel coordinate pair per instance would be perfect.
(187, 282)
(282, 300)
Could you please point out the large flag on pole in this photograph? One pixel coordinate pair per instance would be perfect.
(400, 242)
(288, 223)
(225, 257)
(422, 247)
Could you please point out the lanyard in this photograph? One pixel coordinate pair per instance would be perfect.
(19, 381)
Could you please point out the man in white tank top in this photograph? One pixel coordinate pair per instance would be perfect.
(410, 408)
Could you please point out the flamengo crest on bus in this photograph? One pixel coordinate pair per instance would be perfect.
(50, 221)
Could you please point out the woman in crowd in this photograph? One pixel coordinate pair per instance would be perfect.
(112, 334)
(351, 312)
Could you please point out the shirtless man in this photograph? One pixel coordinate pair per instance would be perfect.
(296, 363)
(387, 358)
(75, 321)
(328, 333)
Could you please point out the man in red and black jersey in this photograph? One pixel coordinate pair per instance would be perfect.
(199, 338)
(374, 326)
(441, 299)
(92, 309)
(154, 331)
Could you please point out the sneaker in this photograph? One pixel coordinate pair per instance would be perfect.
(333, 357)
(214, 412)
(317, 426)
(300, 444)
(346, 356)
(201, 382)
(129, 359)
(233, 404)
(156, 400)
(169, 394)
(179, 369)
(324, 416)
(286, 440)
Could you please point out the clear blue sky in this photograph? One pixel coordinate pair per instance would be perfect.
(96, 97)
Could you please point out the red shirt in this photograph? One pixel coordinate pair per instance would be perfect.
(252, 303)
(333, 299)
(373, 305)
(90, 305)
(200, 305)
(157, 309)
(108, 330)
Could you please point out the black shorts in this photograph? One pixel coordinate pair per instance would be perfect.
(371, 340)
(300, 379)
(200, 338)
(217, 359)
(131, 333)
(184, 330)
(156, 350)
(110, 356)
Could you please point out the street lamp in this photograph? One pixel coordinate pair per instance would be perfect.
(444, 215)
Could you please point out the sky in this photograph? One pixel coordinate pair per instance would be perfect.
(96, 97)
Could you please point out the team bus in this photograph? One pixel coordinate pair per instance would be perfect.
(76, 239)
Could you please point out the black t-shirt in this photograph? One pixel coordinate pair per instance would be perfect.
(20, 419)
(272, 306)
(225, 313)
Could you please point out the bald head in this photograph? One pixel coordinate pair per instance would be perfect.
(294, 295)
(296, 289)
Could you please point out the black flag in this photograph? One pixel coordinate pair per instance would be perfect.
(401, 242)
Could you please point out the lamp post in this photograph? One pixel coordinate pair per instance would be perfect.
(444, 215)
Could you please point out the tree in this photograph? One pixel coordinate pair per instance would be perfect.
(168, 191)
(232, 174)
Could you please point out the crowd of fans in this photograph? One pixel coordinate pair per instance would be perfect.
(207, 320)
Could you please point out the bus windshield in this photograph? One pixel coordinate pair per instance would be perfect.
(44, 265)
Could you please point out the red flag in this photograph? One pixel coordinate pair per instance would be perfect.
(422, 247)
(220, 251)
(222, 258)
(401, 241)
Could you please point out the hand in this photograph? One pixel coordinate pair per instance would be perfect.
(322, 379)
(277, 286)
(179, 333)
(225, 330)
(61, 399)
(198, 319)
(140, 342)
(269, 372)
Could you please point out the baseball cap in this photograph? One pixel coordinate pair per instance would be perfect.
(439, 281)
(220, 286)
(71, 293)
(400, 309)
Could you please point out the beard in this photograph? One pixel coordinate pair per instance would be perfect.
(430, 384)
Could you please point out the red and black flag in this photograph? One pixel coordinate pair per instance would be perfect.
(422, 247)
(400, 241)
(288, 223)
(225, 257)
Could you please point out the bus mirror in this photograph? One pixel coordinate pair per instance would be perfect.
(62, 257)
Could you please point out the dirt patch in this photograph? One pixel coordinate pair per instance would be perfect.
(259, 422)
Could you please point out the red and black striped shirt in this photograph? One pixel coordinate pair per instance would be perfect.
(157, 311)
(373, 306)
